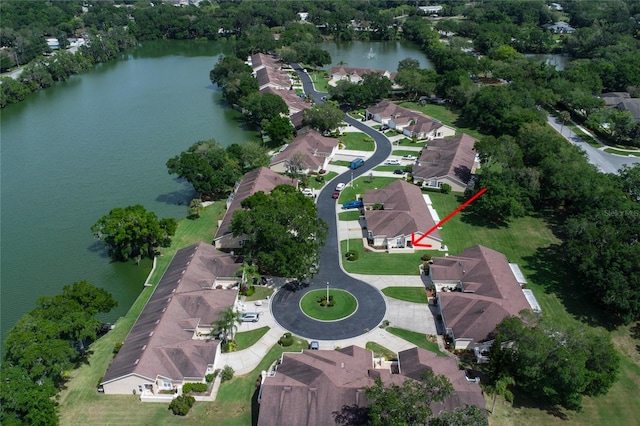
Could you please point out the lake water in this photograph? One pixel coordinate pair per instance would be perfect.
(559, 62)
(374, 54)
(72, 152)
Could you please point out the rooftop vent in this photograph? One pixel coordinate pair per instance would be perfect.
(137, 361)
(144, 347)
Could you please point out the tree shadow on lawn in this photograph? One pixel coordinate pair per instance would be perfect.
(635, 334)
(522, 400)
(551, 271)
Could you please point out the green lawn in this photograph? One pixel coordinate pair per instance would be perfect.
(358, 141)
(344, 305)
(409, 142)
(246, 339)
(380, 351)
(408, 294)
(445, 115)
(404, 152)
(619, 152)
(350, 215)
(321, 84)
(388, 168)
(418, 339)
(383, 263)
(341, 163)
(260, 293)
(585, 137)
(313, 183)
(362, 184)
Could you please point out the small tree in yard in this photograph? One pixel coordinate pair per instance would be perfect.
(445, 188)
(227, 373)
(195, 208)
(181, 405)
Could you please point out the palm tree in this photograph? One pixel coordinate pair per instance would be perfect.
(228, 323)
(501, 387)
(564, 118)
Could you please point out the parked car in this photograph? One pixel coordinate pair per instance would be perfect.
(340, 187)
(398, 172)
(384, 127)
(409, 157)
(355, 204)
(314, 345)
(335, 195)
(308, 192)
(250, 317)
(392, 162)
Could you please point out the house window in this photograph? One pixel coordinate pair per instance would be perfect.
(399, 242)
(166, 384)
(439, 184)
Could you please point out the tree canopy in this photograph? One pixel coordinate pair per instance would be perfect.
(323, 117)
(42, 346)
(207, 166)
(281, 231)
(553, 362)
(133, 233)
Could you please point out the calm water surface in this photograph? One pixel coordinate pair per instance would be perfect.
(71, 153)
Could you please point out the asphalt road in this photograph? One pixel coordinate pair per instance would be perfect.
(371, 305)
(605, 162)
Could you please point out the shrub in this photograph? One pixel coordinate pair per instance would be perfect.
(229, 346)
(378, 206)
(286, 340)
(351, 255)
(211, 377)
(320, 178)
(194, 387)
(226, 373)
(181, 405)
(425, 257)
(445, 188)
(117, 347)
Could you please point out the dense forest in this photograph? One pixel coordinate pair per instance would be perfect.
(527, 167)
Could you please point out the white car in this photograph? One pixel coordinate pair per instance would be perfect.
(308, 192)
(340, 187)
(250, 317)
(392, 162)
(409, 157)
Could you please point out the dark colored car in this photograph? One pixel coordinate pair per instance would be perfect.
(355, 204)
(398, 172)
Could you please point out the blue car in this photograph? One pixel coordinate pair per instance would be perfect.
(355, 204)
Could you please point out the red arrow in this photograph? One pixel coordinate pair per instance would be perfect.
(416, 242)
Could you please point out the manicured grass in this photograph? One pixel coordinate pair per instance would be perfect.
(380, 351)
(320, 83)
(260, 293)
(350, 215)
(246, 339)
(408, 294)
(362, 184)
(341, 163)
(358, 141)
(585, 137)
(409, 142)
(445, 115)
(619, 152)
(404, 152)
(383, 263)
(418, 339)
(344, 305)
(313, 183)
(388, 168)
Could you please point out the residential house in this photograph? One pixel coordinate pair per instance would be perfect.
(355, 75)
(475, 291)
(170, 342)
(423, 127)
(623, 102)
(402, 216)
(430, 10)
(306, 388)
(410, 123)
(293, 101)
(259, 61)
(451, 161)
(313, 150)
(268, 77)
(559, 27)
(262, 179)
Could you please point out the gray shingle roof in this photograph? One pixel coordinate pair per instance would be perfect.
(490, 292)
(405, 211)
(160, 342)
(453, 157)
